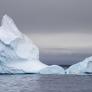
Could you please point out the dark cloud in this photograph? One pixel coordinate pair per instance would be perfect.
(53, 57)
(63, 59)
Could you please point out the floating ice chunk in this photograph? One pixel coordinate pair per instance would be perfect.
(53, 69)
(84, 67)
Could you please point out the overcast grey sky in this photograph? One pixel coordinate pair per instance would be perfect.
(61, 28)
(49, 14)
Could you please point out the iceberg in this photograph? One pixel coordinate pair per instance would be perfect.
(83, 67)
(18, 54)
(53, 69)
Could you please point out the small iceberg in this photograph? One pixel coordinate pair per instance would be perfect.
(84, 67)
(18, 54)
(53, 69)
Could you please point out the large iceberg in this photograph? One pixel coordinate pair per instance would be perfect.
(83, 67)
(18, 54)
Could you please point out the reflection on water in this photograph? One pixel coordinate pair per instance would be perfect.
(45, 83)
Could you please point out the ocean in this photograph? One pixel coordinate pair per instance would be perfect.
(45, 83)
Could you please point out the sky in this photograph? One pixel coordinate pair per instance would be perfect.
(62, 29)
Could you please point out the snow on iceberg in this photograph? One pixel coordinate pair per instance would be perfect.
(84, 67)
(18, 54)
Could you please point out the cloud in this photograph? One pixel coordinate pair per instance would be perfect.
(49, 14)
(71, 40)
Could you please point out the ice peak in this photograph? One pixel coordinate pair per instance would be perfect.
(8, 23)
(6, 20)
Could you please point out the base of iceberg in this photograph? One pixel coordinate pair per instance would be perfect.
(27, 67)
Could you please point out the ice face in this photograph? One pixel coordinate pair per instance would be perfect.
(84, 67)
(54, 69)
(18, 54)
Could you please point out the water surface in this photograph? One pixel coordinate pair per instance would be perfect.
(45, 83)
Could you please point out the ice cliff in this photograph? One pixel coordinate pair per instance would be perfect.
(18, 54)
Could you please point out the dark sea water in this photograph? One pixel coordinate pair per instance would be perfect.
(45, 83)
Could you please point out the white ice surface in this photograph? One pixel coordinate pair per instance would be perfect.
(83, 67)
(18, 54)
(54, 69)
